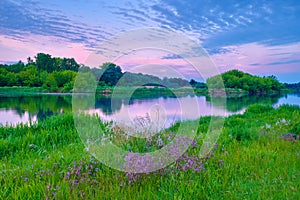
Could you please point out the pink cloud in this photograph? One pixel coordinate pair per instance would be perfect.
(257, 58)
(15, 50)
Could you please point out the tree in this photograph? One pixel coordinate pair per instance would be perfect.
(30, 61)
(240, 80)
(85, 82)
(12, 79)
(112, 73)
(3, 77)
(215, 82)
(69, 64)
(64, 77)
(29, 77)
(51, 82)
(16, 68)
(45, 62)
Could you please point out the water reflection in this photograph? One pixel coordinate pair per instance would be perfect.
(241, 103)
(23, 109)
(35, 108)
(289, 99)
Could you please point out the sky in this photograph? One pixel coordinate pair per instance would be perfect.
(259, 37)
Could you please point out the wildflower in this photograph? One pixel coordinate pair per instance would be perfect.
(160, 143)
(67, 175)
(194, 143)
(221, 162)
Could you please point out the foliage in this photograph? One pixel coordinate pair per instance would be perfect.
(48, 160)
(45, 62)
(293, 86)
(197, 84)
(58, 75)
(111, 75)
(85, 82)
(29, 77)
(259, 108)
(240, 80)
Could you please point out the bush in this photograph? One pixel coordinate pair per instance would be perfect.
(296, 128)
(258, 109)
(204, 124)
(288, 108)
(240, 133)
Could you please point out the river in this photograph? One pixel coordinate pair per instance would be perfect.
(167, 110)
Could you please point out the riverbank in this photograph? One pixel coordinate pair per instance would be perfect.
(138, 92)
(257, 157)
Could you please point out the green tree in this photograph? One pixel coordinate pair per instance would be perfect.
(16, 68)
(85, 82)
(29, 77)
(63, 77)
(12, 79)
(69, 64)
(3, 77)
(51, 82)
(45, 62)
(215, 82)
(240, 80)
(112, 73)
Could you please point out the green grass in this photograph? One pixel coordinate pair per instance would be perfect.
(21, 91)
(255, 159)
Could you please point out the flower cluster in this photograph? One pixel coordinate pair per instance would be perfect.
(290, 137)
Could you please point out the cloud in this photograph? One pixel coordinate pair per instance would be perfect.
(20, 20)
(172, 56)
(284, 62)
(261, 59)
(257, 36)
(12, 49)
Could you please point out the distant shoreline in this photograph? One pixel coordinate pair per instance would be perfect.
(139, 92)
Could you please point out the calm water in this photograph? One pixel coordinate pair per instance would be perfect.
(14, 110)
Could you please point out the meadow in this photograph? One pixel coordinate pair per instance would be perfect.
(257, 156)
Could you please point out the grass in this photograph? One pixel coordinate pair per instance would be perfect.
(16, 90)
(134, 92)
(256, 157)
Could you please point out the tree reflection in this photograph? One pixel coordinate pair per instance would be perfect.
(240, 103)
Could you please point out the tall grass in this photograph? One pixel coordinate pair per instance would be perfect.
(256, 158)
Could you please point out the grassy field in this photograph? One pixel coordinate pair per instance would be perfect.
(257, 157)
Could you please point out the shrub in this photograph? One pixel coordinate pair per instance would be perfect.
(258, 109)
(240, 133)
(296, 128)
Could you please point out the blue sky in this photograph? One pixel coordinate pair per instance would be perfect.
(259, 37)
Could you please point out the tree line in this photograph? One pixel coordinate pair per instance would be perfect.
(293, 86)
(51, 73)
(58, 74)
(240, 80)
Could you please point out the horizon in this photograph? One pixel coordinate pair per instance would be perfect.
(257, 37)
(153, 74)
